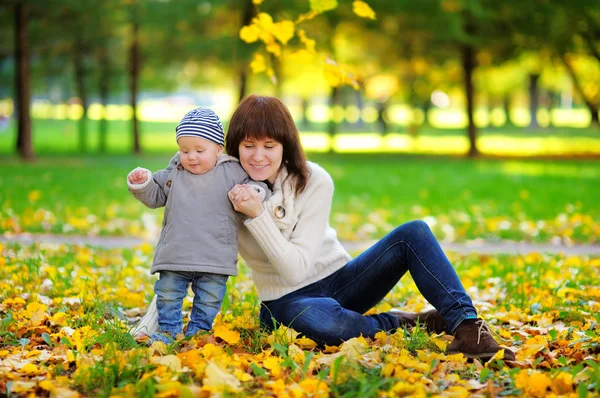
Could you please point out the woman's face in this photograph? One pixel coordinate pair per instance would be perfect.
(261, 158)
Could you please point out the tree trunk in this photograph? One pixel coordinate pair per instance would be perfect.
(593, 108)
(247, 16)
(534, 96)
(305, 121)
(506, 106)
(468, 63)
(332, 124)
(82, 94)
(103, 90)
(243, 83)
(360, 105)
(134, 72)
(589, 40)
(276, 79)
(381, 109)
(22, 84)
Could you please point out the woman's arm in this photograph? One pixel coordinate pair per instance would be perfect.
(295, 257)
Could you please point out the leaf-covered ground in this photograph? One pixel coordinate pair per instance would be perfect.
(66, 310)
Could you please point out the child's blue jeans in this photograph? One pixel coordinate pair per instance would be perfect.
(331, 310)
(171, 288)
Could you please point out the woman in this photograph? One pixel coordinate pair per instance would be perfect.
(304, 277)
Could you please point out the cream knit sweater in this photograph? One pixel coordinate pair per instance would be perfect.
(290, 244)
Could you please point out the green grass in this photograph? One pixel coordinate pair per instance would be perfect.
(482, 198)
(61, 136)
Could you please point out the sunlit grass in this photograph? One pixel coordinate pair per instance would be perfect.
(460, 199)
(61, 136)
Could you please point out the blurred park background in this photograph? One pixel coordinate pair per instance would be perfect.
(505, 95)
(479, 117)
(438, 76)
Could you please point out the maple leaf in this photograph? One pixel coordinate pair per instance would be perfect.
(230, 336)
(363, 10)
(284, 31)
(219, 380)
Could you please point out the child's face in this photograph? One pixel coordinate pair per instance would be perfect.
(198, 155)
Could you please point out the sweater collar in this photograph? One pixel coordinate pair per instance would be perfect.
(281, 203)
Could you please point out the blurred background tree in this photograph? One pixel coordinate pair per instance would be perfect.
(343, 66)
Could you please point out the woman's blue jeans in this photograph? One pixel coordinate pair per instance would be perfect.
(331, 310)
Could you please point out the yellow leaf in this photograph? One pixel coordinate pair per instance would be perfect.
(257, 2)
(562, 383)
(273, 364)
(264, 21)
(274, 48)
(29, 369)
(295, 353)
(32, 353)
(22, 386)
(284, 31)
(218, 379)
(227, 335)
(282, 335)
(309, 43)
(32, 308)
(211, 351)
(38, 318)
(363, 10)
(305, 342)
(457, 391)
(314, 387)
(170, 361)
(533, 346)
(277, 386)
(47, 385)
(258, 63)
(320, 6)
(159, 347)
(538, 384)
(60, 318)
(440, 343)
(249, 33)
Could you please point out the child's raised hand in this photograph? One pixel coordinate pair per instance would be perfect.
(138, 176)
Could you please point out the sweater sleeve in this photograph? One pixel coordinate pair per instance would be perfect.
(294, 258)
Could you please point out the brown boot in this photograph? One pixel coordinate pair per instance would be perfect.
(473, 338)
(432, 319)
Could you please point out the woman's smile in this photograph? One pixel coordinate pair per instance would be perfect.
(261, 158)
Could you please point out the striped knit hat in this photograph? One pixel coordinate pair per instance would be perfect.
(203, 123)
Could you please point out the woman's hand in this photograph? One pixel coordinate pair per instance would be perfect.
(246, 200)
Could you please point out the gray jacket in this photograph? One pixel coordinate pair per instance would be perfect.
(199, 230)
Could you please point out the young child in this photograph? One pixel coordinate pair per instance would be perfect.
(198, 241)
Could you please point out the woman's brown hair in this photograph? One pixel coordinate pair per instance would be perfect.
(261, 117)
